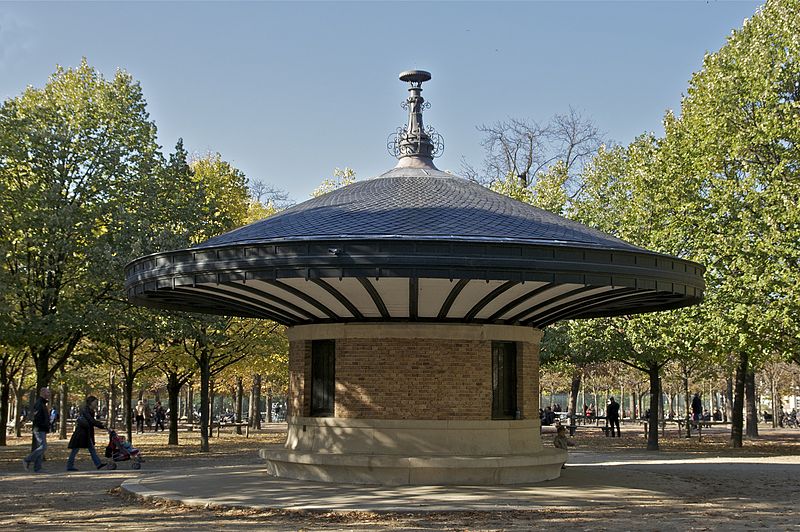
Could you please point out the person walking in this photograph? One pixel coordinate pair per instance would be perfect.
(83, 437)
(697, 407)
(53, 419)
(140, 416)
(612, 413)
(160, 415)
(41, 426)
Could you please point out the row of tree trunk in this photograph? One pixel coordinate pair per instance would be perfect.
(181, 398)
(740, 392)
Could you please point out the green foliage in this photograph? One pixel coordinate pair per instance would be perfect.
(72, 155)
(341, 178)
(737, 144)
(84, 190)
(224, 197)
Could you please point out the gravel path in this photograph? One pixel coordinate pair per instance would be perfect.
(687, 486)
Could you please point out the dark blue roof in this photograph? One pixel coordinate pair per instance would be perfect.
(419, 204)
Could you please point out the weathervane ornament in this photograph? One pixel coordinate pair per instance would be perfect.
(414, 139)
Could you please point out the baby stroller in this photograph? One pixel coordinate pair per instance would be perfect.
(119, 450)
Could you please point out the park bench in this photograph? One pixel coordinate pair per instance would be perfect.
(662, 423)
(234, 425)
(219, 426)
(699, 425)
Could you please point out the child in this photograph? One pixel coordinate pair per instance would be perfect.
(561, 441)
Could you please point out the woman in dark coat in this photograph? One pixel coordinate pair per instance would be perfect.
(83, 437)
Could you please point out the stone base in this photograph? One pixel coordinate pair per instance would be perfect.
(398, 452)
(390, 470)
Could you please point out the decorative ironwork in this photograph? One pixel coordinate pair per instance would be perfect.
(436, 139)
(414, 139)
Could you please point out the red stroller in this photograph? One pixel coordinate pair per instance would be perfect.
(119, 450)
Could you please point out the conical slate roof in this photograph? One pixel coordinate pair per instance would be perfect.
(415, 244)
(419, 204)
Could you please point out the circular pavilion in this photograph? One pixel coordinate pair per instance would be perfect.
(415, 303)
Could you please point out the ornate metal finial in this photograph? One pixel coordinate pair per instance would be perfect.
(414, 139)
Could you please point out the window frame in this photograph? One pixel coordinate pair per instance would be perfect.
(322, 383)
(504, 380)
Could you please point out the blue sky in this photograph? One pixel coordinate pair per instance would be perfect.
(289, 91)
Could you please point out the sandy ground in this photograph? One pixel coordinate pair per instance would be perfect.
(699, 486)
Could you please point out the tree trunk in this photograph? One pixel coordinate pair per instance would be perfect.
(63, 408)
(737, 415)
(238, 403)
(751, 429)
(256, 421)
(211, 398)
(728, 412)
(190, 402)
(112, 401)
(251, 411)
(205, 381)
(181, 403)
(655, 394)
(173, 393)
(5, 400)
(127, 411)
(687, 401)
(641, 404)
(19, 393)
(574, 388)
(774, 393)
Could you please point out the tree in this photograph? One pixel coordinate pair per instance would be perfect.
(572, 347)
(133, 347)
(178, 368)
(625, 192)
(12, 362)
(215, 344)
(267, 195)
(223, 199)
(341, 178)
(736, 144)
(530, 156)
(71, 153)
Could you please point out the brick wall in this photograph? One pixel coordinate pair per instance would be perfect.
(528, 379)
(400, 378)
(413, 378)
(299, 403)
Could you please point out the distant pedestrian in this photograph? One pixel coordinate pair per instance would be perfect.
(139, 410)
(160, 416)
(41, 426)
(697, 407)
(612, 414)
(83, 437)
(53, 419)
(561, 441)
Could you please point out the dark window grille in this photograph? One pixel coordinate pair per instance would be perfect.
(323, 377)
(504, 380)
